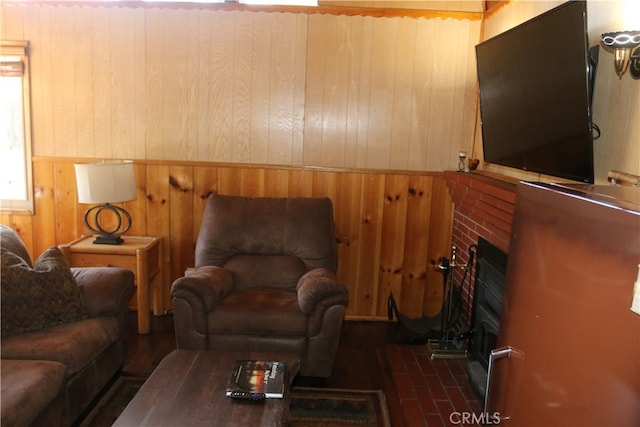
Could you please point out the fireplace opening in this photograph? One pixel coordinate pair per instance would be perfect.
(487, 306)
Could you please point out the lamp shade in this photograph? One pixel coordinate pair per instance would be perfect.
(106, 182)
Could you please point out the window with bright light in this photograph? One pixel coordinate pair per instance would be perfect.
(15, 129)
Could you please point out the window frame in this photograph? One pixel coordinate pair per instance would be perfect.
(20, 48)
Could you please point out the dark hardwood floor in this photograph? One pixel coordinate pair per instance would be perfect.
(361, 361)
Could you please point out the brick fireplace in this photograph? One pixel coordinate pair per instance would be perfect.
(483, 208)
(483, 217)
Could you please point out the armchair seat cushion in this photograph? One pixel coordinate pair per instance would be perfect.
(279, 313)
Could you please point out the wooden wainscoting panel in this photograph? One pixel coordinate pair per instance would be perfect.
(23, 227)
(364, 293)
(276, 182)
(158, 220)
(205, 182)
(440, 232)
(181, 206)
(347, 207)
(137, 210)
(44, 231)
(68, 213)
(325, 184)
(394, 220)
(300, 183)
(390, 226)
(416, 248)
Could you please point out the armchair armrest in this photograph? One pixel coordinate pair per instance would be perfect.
(208, 284)
(319, 286)
(106, 290)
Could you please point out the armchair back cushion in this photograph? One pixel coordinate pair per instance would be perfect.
(267, 241)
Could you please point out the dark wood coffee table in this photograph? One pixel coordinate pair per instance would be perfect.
(188, 389)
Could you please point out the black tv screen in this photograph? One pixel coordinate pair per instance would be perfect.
(535, 95)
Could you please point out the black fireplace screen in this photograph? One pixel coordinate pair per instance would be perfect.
(487, 305)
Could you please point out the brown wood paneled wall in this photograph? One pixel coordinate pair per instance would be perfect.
(390, 225)
(165, 82)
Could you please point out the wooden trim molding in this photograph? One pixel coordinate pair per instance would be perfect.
(492, 7)
(326, 169)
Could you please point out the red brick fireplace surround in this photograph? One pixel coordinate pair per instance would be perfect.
(483, 208)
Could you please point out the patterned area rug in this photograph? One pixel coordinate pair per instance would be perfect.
(310, 407)
(337, 407)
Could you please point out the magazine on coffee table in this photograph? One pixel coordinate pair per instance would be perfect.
(257, 380)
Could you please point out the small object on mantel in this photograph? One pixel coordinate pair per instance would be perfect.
(462, 155)
(473, 164)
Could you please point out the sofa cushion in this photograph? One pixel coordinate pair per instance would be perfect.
(27, 388)
(38, 297)
(73, 344)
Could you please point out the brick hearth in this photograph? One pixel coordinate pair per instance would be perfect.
(431, 391)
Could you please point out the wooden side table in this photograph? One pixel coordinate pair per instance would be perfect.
(142, 255)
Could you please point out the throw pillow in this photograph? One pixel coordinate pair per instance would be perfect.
(38, 297)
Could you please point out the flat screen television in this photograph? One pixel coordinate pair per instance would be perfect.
(535, 85)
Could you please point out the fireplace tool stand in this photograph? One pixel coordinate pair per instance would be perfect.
(445, 347)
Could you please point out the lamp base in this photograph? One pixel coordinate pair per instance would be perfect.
(108, 236)
(105, 239)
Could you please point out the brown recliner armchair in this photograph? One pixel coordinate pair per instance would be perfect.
(264, 281)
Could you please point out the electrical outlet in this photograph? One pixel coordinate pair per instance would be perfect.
(635, 303)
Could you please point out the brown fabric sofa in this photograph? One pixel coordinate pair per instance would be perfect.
(50, 375)
(264, 281)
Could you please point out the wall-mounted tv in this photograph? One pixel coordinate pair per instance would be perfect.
(535, 84)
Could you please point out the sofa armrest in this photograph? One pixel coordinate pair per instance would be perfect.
(207, 285)
(320, 287)
(106, 290)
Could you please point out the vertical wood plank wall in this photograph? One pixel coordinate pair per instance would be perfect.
(390, 226)
(205, 84)
(366, 110)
